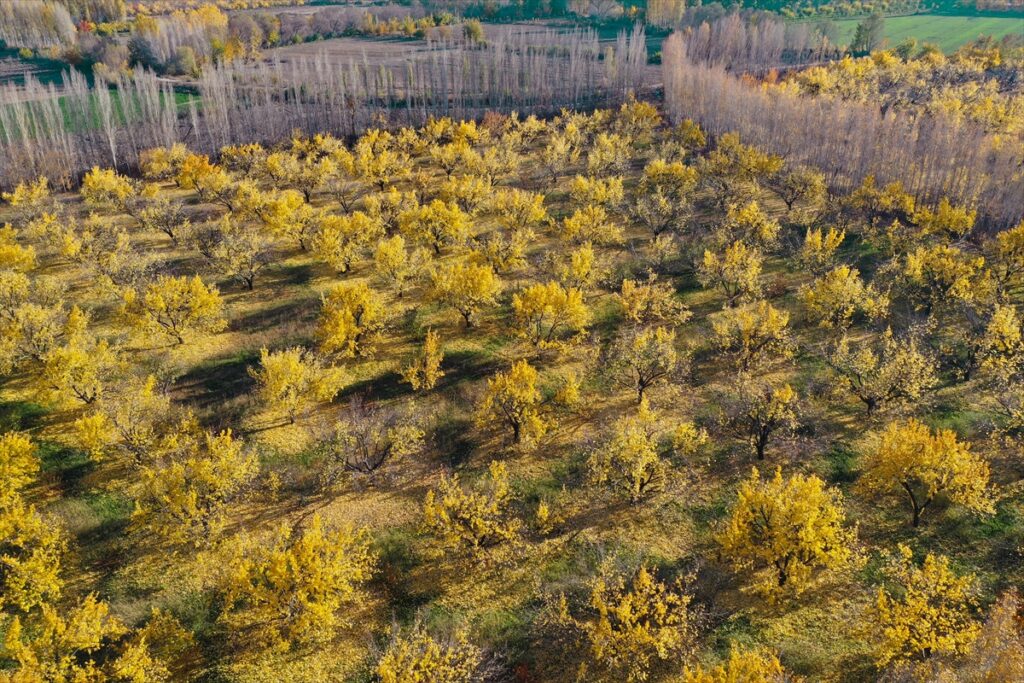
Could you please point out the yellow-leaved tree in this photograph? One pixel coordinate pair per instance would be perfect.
(211, 182)
(437, 225)
(758, 411)
(175, 307)
(894, 372)
(518, 209)
(413, 654)
(645, 357)
(630, 460)
(472, 520)
(513, 399)
(818, 252)
(629, 625)
(751, 225)
(911, 458)
(185, 494)
(14, 255)
(395, 265)
(736, 271)
(339, 240)
(31, 547)
(939, 275)
(30, 199)
(103, 187)
(663, 196)
(591, 224)
(18, 465)
(133, 416)
(292, 381)
(81, 368)
(545, 312)
(163, 163)
(80, 645)
(352, 317)
(928, 611)
(787, 531)
(295, 589)
(754, 335)
(465, 286)
(651, 302)
(742, 666)
(607, 193)
(833, 299)
(31, 550)
(425, 369)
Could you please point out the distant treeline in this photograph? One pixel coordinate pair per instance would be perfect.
(752, 42)
(933, 156)
(63, 131)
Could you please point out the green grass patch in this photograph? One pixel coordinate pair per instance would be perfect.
(948, 32)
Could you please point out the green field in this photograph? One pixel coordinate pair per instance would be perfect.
(948, 32)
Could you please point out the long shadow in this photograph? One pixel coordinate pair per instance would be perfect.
(291, 275)
(396, 550)
(267, 319)
(219, 380)
(453, 442)
(64, 468)
(385, 388)
(20, 415)
(460, 366)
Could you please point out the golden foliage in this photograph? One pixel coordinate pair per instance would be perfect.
(424, 371)
(437, 225)
(185, 495)
(544, 312)
(743, 666)
(31, 550)
(513, 399)
(591, 224)
(295, 589)
(645, 357)
(18, 465)
(836, 297)
(471, 520)
(294, 380)
(630, 625)
(467, 287)
(893, 372)
(67, 647)
(651, 302)
(736, 271)
(352, 318)
(755, 334)
(176, 307)
(818, 252)
(787, 532)
(925, 464)
(928, 613)
(629, 460)
(414, 656)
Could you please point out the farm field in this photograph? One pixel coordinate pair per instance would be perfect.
(948, 32)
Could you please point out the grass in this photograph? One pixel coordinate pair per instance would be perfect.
(75, 120)
(948, 32)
